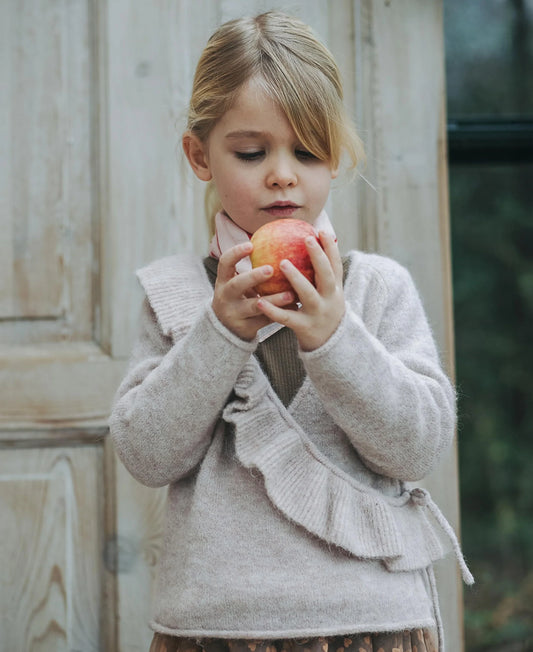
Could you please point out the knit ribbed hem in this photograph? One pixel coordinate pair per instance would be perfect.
(340, 630)
(245, 345)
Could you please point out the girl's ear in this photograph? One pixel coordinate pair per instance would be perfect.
(195, 152)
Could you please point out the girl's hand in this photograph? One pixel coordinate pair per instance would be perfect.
(235, 301)
(322, 307)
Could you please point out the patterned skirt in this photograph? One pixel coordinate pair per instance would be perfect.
(417, 640)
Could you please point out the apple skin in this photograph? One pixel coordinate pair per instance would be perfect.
(279, 240)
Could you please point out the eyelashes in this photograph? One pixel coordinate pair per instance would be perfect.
(257, 155)
(305, 155)
(249, 156)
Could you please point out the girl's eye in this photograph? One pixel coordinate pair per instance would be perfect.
(305, 155)
(249, 156)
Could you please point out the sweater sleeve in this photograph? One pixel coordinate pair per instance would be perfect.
(167, 405)
(380, 378)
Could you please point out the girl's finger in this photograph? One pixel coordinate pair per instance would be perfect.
(245, 282)
(326, 262)
(331, 249)
(250, 307)
(228, 260)
(274, 313)
(280, 299)
(303, 288)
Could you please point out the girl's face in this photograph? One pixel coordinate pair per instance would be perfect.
(260, 169)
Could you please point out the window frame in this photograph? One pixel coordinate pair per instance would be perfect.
(490, 140)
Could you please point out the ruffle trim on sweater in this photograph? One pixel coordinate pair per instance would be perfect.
(312, 492)
(177, 287)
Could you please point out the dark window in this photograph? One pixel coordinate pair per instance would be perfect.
(489, 68)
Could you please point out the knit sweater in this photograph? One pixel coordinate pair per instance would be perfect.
(288, 521)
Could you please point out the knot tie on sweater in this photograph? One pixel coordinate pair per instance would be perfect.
(422, 498)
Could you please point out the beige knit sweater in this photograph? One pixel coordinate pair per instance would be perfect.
(288, 522)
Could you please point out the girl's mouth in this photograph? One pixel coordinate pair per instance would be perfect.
(281, 209)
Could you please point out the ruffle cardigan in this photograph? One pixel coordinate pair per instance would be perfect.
(297, 521)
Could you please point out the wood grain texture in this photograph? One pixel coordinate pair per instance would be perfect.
(51, 542)
(58, 386)
(46, 254)
(136, 551)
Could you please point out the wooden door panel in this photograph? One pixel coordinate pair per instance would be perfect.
(64, 385)
(47, 236)
(56, 381)
(32, 276)
(51, 540)
(52, 367)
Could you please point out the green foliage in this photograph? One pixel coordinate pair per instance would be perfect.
(492, 249)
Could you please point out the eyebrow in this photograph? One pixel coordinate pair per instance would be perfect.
(245, 134)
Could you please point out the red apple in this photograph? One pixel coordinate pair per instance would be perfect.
(277, 240)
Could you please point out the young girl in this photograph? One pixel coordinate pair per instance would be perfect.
(286, 436)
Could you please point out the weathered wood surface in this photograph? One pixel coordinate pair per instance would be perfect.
(57, 386)
(46, 243)
(50, 539)
(94, 185)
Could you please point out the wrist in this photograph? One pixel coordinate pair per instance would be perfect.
(242, 338)
(312, 340)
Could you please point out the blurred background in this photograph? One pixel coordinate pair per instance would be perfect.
(489, 70)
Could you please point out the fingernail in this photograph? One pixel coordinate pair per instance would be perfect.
(267, 270)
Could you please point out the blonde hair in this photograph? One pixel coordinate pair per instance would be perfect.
(293, 67)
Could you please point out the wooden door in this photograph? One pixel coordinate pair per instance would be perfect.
(92, 187)
(57, 376)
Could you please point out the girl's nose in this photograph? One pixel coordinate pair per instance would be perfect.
(282, 174)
